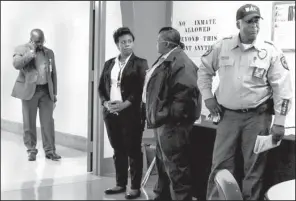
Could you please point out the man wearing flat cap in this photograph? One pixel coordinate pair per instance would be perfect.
(254, 83)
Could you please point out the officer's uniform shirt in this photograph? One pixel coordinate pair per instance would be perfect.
(248, 77)
(116, 76)
(42, 67)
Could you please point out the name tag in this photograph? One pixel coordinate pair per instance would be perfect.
(226, 61)
(224, 57)
(258, 72)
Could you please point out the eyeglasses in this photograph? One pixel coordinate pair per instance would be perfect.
(39, 42)
(165, 41)
(252, 21)
(162, 41)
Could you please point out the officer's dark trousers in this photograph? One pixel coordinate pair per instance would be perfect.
(172, 162)
(239, 131)
(125, 137)
(42, 101)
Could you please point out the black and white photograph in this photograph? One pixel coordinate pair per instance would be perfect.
(148, 100)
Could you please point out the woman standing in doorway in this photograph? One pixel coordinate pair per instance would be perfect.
(120, 91)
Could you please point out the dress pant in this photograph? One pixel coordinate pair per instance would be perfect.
(173, 162)
(239, 131)
(42, 101)
(125, 136)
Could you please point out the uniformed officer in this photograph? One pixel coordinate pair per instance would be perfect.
(254, 82)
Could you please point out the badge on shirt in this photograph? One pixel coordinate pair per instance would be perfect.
(284, 108)
(262, 54)
(259, 72)
(284, 62)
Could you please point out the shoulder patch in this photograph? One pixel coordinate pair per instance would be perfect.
(217, 44)
(230, 37)
(284, 62)
(268, 42)
(208, 52)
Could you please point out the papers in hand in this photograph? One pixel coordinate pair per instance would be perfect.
(264, 143)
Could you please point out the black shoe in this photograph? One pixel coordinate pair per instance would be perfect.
(32, 156)
(132, 194)
(115, 190)
(53, 156)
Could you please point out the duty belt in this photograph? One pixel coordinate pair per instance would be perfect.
(259, 109)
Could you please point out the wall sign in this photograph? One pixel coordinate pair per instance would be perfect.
(283, 25)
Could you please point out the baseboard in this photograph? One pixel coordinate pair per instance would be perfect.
(64, 139)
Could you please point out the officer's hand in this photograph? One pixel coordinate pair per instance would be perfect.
(213, 106)
(277, 132)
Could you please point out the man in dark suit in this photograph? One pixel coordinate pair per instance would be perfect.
(36, 86)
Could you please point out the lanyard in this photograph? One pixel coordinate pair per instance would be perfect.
(121, 65)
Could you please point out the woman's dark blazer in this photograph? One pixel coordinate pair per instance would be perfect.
(132, 82)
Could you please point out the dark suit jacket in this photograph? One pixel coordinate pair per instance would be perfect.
(25, 84)
(132, 82)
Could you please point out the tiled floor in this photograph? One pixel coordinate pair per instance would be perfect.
(45, 179)
(92, 189)
(15, 167)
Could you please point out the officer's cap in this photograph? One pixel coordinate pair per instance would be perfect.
(247, 12)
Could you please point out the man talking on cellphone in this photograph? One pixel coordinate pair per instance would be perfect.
(36, 86)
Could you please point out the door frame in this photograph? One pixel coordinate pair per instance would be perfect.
(95, 142)
(96, 162)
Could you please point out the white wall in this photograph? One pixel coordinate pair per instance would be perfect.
(225, 14)
(113, 22)
(66, 28)
(147, 28)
